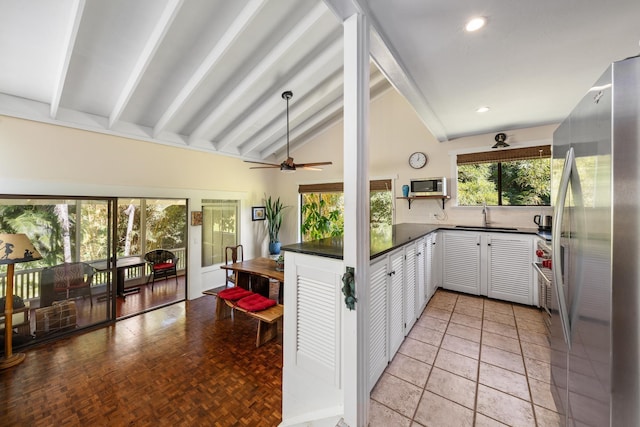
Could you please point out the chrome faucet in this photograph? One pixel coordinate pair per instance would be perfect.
(484, 214)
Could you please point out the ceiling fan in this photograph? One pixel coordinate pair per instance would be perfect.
(288, 165)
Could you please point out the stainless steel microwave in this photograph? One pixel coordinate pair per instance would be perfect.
(428, 187)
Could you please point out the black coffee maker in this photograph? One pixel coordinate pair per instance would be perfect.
(543, 222)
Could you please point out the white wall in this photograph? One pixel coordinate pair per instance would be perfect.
(53, 160)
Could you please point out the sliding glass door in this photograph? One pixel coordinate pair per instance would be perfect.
(67, 289)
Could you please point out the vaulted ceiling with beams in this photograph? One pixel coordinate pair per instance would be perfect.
(208, 74)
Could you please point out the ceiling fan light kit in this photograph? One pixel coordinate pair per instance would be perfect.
(288, 165)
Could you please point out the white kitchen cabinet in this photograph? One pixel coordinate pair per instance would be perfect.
(396, 291)
(509, 267)
(421, 275)
(461, 261)
(386, 311)
(431, 265)
(410, 281)
(497, 265)
(378, 319)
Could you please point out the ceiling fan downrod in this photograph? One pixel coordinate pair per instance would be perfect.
(287, 95)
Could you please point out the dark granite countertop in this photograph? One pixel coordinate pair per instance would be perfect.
(401, 234)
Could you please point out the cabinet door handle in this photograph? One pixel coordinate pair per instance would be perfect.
(419, 253)
(488, 244)
(391, 273)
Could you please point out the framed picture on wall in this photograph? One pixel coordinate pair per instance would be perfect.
(196, 218)
(257, 213)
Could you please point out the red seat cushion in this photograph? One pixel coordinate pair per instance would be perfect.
(163, 266)
(234, 294)
(256, 302)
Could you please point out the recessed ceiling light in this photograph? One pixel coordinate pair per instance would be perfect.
(475, 24)
(482, 109)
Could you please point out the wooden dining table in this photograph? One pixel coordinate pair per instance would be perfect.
(255, 275)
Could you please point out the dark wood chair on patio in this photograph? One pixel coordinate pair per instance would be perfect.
(163, 264)
(66, 281)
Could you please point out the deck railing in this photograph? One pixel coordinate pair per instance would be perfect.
(27, 281)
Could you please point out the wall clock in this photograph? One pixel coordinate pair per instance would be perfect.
(417, 160)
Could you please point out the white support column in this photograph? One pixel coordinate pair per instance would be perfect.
(356, 216)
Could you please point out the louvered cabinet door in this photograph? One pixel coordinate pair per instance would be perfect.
(429, 279)
(461, 262)
(420, 276)
(409, 287)
(396, 316)
(509, 268)
(431, 262)
(317, 317)
(378, 325)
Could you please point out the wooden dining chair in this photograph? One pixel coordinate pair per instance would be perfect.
(232, 254)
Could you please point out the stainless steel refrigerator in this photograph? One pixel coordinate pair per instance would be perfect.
(595, 327)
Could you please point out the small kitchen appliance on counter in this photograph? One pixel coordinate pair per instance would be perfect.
(543, 222)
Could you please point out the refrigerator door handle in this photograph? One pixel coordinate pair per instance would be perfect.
(555, 239)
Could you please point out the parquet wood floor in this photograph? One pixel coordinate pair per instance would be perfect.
(175, 366)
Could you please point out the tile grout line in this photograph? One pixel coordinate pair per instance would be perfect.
(524, 365)
(475, 403)
(424, 389)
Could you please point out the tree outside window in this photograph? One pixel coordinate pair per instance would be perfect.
(322, 210)
(148, 224)
(518, 177)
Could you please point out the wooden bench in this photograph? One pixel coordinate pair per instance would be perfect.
(267, 319)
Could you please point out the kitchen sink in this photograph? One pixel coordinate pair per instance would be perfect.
(487, 228)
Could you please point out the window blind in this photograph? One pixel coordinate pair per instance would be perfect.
(528, 153)
(338, 187)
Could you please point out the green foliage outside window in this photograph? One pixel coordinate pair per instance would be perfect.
(323, 215)
(521, 183)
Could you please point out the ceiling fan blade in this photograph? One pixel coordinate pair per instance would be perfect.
(304, 165)
(265, 167)
(273, 165)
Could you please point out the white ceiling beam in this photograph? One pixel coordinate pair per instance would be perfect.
(233, 32)
(256, 73)
(144, 59)
(343, 8)
(387, 60)
(332, 54)
(75, 17)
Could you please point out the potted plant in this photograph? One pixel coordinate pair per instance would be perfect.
(273, 215)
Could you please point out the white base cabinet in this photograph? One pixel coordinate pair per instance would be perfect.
(410, 295)
(386, 311)
(432, 262)
(510, 275)
(497, 265)
(461, 261)
(399, 288)
(378, 319)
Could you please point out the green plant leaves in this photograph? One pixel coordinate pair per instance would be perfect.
(273, 213)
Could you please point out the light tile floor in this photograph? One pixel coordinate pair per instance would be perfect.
(469, 361)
